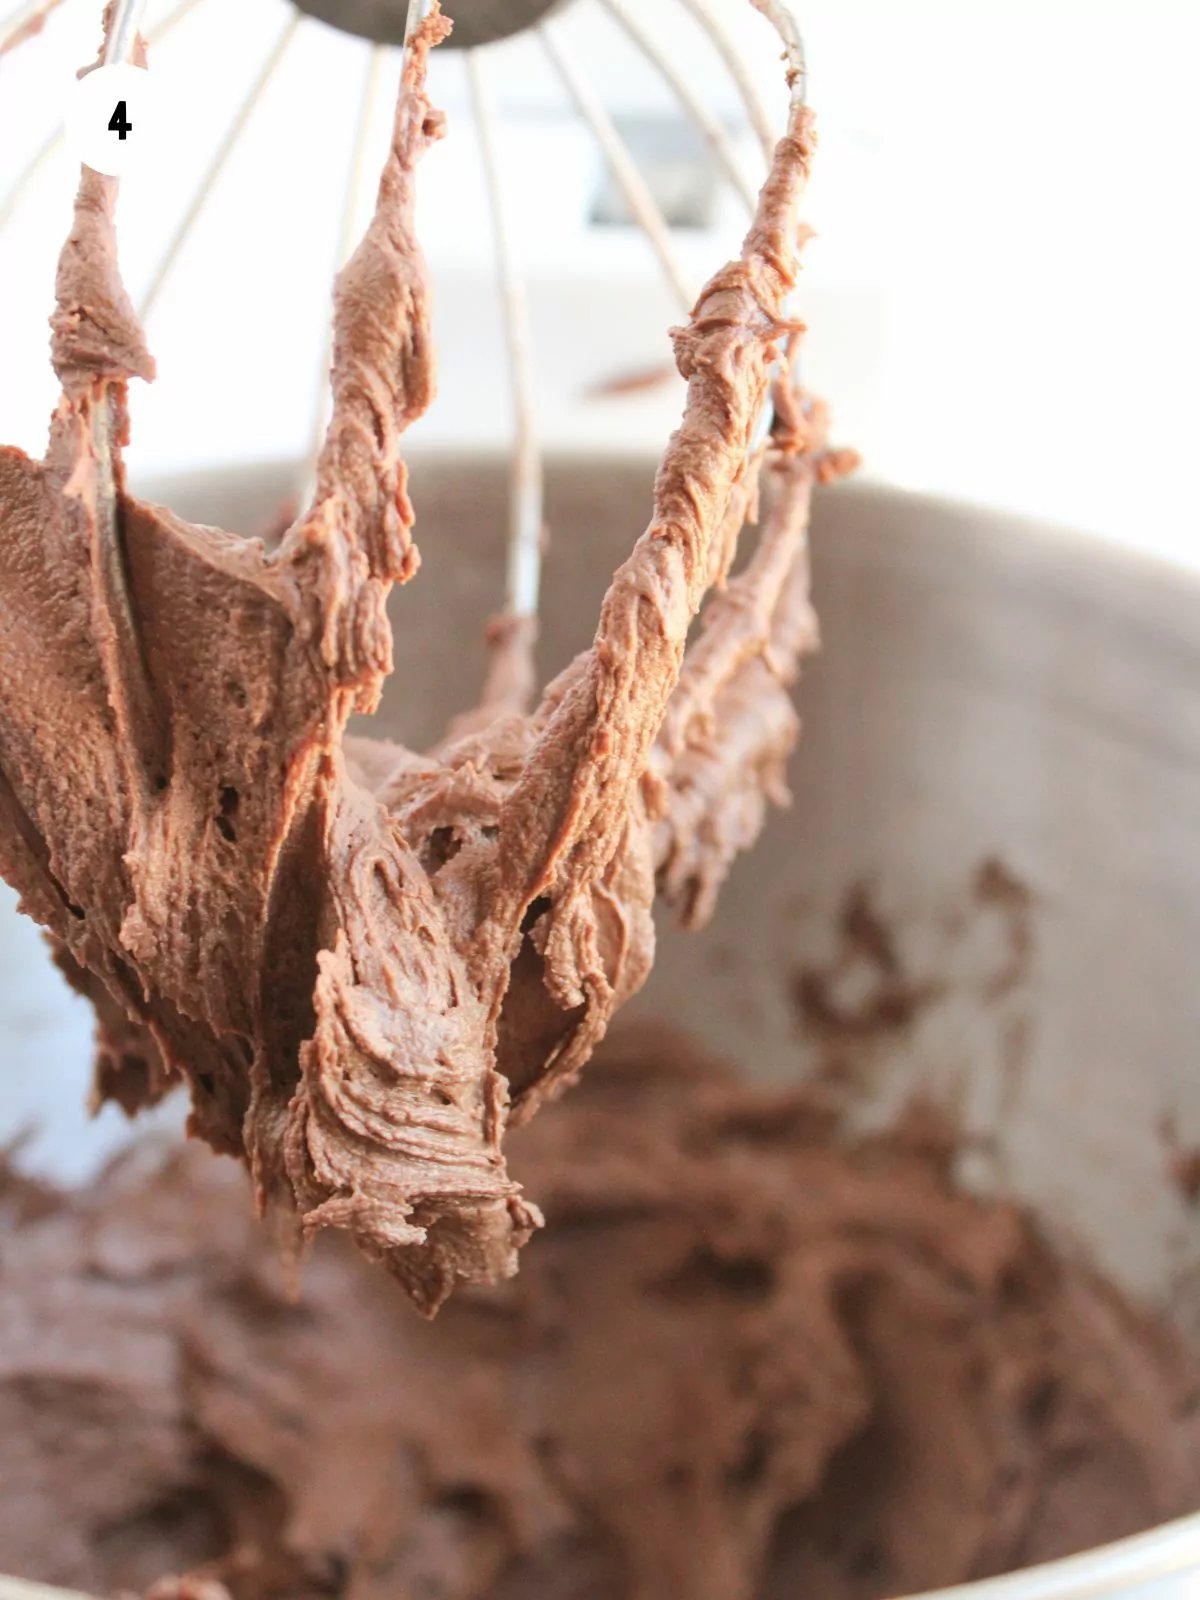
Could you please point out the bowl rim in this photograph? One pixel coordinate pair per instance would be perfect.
(1168, 1551)
(1171, 1550)
(1059, 542)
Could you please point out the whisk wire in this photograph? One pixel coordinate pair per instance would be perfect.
(123, 30)
(633, 186)
(783, 20)
(707, 124)
(55, 139)
(352, 209)
(526, 489)
(24, 22)
(756, 107)
(418, 10)
(217, 165)
(20, 184)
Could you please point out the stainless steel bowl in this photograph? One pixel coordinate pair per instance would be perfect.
(1000, 772)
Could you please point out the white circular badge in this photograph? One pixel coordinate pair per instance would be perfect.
(111, 118)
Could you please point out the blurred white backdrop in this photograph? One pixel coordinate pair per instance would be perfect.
(1002, 297)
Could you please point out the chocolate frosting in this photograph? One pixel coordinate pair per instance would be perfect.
(743, 1362)
(365, 961)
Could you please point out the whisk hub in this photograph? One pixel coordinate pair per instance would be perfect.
(476, 22)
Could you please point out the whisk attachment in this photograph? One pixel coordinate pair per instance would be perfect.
(443, 936)
(51, 145)
(218, 163)
(123, 31)
(707, 124)
(24, 22)
(352, 207)
(783, 20)
(476, 23)
(525, 502)
(634, 188)
(751, 96)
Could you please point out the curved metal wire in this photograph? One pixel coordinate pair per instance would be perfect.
(708, 125)
(785, 24)
(783, 20)
(526, 484)
(29, 172)
(756, 106)
(123, 28)
(54, 140)
(624, 169)
(418, 10)
(24, 23)
(352, 209)
(216, 166)
(526, 491)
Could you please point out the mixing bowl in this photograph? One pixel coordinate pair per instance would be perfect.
(1000, 771)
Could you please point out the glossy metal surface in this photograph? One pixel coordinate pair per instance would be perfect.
(1001, 760)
